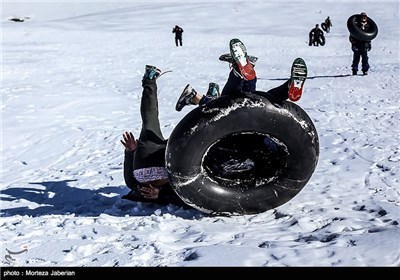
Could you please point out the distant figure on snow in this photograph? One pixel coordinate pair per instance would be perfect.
(326, 26)
(316, 37)
(17, 19)
(178, 35)
(360, 48)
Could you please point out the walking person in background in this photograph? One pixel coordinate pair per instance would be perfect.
(360, 48)
(316, 36)
(178, 35)
(326, 26)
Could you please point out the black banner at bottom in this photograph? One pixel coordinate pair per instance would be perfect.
(176, 272)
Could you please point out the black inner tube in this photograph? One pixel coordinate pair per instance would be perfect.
(241, 155)
(360, 34)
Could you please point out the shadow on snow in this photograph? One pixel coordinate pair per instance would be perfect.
(58, 198)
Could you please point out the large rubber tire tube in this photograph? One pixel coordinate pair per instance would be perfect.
(360, 34)
(241, 155)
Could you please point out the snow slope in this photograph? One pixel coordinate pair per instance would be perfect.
(71, 85)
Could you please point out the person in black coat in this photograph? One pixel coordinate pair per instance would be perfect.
(326, 26)
(360, 48)
(316, 36)
(144, 158)
(178, 35)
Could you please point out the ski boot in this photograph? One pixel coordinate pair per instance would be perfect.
(241, 65)
(298, 76)
(151, 72)
(213, 91)
(186, 98)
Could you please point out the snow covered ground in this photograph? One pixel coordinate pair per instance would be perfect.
(71, 85)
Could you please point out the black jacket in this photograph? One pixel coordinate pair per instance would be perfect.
(359, 45)
(316, 32)
(178, 31)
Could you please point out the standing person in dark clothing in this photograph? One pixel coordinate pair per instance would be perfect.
(316, 37)
(326, 26)
(360, 48)
(144, 163)
(178, 35)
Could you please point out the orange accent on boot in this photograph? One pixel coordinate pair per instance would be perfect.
(247, 71)
(295, 92)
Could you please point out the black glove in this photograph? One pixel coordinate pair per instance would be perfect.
(354, 48)
(369, 47)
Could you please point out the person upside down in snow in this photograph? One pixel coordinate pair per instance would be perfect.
(145, 173)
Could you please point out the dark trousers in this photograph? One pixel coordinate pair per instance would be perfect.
(235, 86)
(356, 60)
(178, 40)
(151, 148)
(277, 95)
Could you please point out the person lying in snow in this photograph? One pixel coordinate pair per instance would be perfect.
(144, 162)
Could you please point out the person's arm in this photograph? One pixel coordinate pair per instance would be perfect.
(162, 195)
(130, 144)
